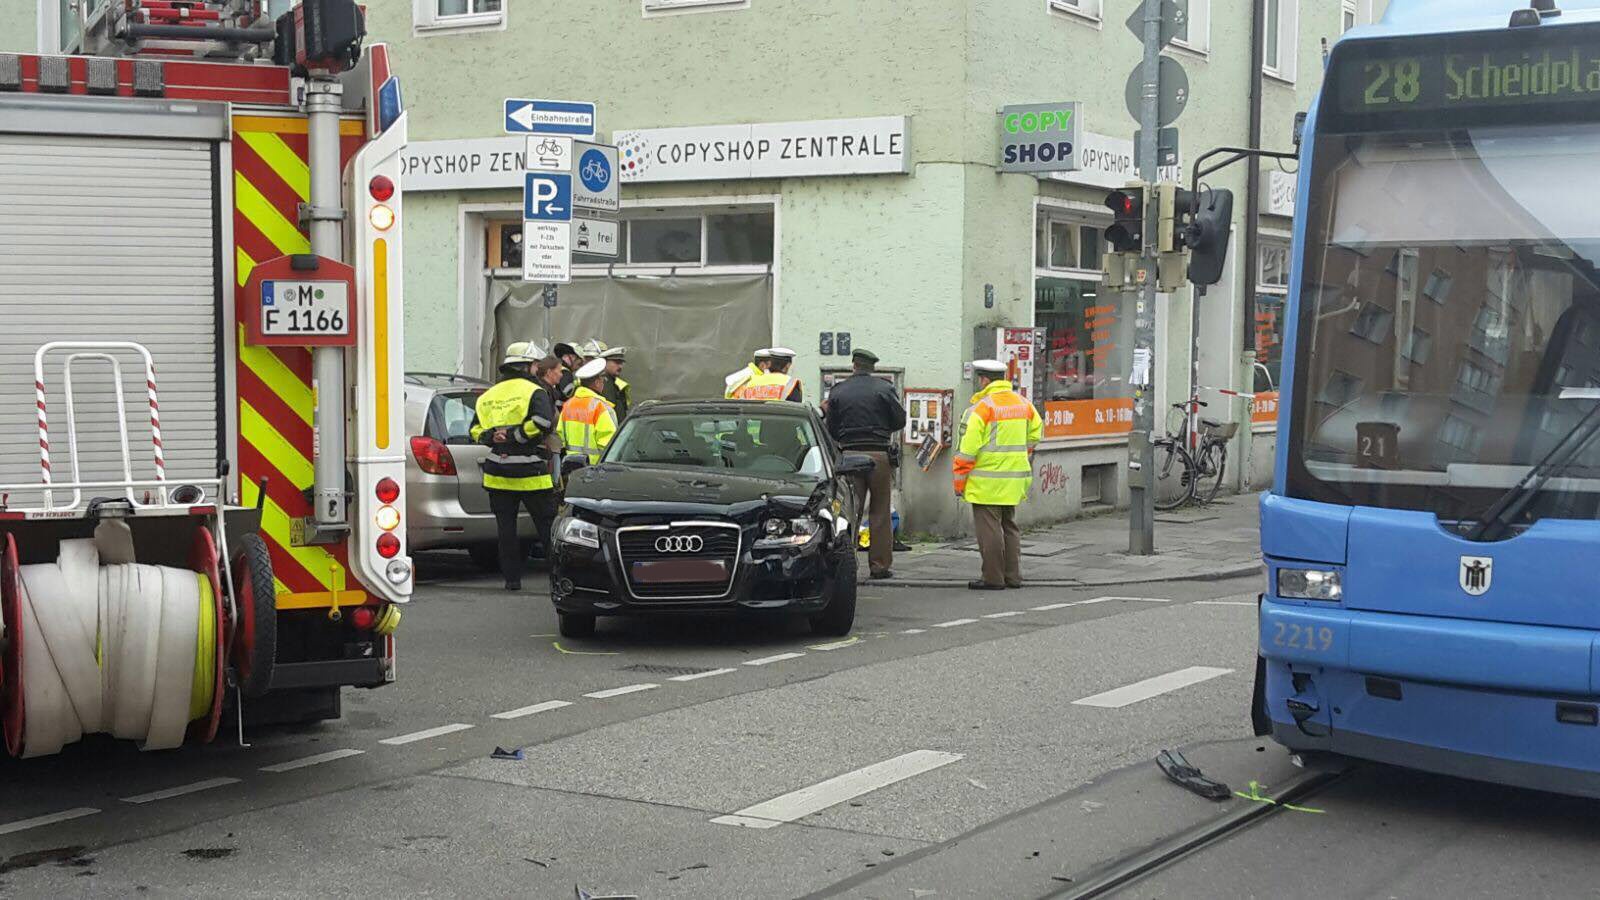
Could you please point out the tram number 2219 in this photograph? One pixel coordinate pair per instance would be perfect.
(1303, 637)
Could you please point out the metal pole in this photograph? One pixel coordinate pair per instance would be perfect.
(325, 216)
(1142, 513)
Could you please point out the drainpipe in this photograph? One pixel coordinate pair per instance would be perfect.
(1252, 232)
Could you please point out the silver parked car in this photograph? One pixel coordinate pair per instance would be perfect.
(446, 507)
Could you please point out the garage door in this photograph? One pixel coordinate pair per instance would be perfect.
(109, 239)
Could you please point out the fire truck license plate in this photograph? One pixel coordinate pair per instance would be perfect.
(305, 308)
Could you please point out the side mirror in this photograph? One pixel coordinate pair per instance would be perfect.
(856, 464)
(1299, 129)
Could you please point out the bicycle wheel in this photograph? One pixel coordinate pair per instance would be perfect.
(1208, 471)
(1173, 478)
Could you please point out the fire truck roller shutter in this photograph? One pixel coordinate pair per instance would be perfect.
(109, 238)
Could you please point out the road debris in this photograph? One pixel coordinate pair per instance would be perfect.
(503, 753)
(977, 784)
(1180, 772)
(1090, 806)
(582, 894)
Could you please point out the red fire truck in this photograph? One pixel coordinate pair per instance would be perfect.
(200, 372)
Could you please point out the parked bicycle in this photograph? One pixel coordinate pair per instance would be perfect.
(1188, 471)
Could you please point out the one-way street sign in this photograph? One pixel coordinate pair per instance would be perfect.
(567, 117)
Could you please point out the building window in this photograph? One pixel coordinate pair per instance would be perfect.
(1194, 32)
(459, 14)
(1373, 323)
(1272, 296)
(683, 240)
(655, 7)
(1355, 12)
(1418, 345)
(1080, 375)
(1089, 9)
(1459, 440)
(1281, 36)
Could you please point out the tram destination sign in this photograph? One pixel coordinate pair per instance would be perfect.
(1510, 77)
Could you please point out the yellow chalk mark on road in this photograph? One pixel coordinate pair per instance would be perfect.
(557, 645)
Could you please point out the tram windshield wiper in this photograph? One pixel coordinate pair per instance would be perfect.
(1505, 509)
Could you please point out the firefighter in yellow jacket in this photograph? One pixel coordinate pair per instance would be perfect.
(516, 420)
(994, 469)
(589, 421)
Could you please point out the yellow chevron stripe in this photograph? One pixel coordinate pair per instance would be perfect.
(266, 217)
(275, 523)
(245, 265)
(254, 428)
(268, 367)
(282, 160)
(293, 125)
(278, 587)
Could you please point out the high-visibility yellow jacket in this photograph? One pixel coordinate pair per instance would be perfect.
(588, 423)
(527, 410)
(739, 379)
(769, 386)
(994, 463)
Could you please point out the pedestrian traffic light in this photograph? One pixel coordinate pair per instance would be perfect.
(1126, 234)
(1207, 235)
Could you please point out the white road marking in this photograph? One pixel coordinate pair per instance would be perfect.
(415, 736)
(1127, 600)
(768, 660)
(1005, 615)
(179, 791)
(696, 676)
(954, 622)
(1049, 607)
(618, 692)
(65, 815)
(1225, 603)
(530, 710)
(915, 631)
(799, 804)
(1152, 687)
(836, 645)
(317, 760)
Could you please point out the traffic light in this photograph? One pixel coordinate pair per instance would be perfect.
(1207, 236)
(1126, 234)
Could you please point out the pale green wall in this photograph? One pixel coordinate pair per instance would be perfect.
(19, 25)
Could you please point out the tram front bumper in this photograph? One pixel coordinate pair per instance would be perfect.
(1516, 704)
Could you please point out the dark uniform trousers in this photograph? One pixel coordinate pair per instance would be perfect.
(874, 489)
(999, 543)
(541, 507)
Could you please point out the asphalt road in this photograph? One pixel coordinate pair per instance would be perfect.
(960, 745)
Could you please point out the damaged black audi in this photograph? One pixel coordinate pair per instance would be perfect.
(703, 506)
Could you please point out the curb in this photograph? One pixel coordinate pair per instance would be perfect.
(1220, 575)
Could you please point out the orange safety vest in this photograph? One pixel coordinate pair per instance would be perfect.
(767, 386)
(588, 422)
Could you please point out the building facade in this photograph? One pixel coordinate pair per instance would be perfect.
(823, 175)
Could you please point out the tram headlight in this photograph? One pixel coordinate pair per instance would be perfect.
(1310, 584)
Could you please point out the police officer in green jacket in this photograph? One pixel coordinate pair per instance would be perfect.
(516, 420)
(617, 391)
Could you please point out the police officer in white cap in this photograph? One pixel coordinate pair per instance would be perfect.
(617, 390)
(758, 365)
(774, 384)
(993, 470)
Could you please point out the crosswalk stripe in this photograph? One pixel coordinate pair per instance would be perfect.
(807, 800)
(1126, 695)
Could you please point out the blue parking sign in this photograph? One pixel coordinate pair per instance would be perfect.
(547, 197)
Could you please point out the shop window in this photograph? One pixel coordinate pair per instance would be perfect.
(1272, 295)
(743, 239)
(1281, 36)
(1067, 245)
(1274, 273)
(665, 241)
(453, 14)
(1082, 380)
(1089, 9)
(1270, 310)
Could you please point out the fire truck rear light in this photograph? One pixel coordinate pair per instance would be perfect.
(381, 188)
(387, 518)
(398, 571)
(362, 618)
(388, 490)
(388, 545)
(382, 217)
(433, 457)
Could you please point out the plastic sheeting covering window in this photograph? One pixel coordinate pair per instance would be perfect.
(683, 334)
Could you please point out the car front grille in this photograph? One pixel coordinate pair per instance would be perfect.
(680, 541)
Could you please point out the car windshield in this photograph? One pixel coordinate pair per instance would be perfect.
(1449, 322)
(753, 443)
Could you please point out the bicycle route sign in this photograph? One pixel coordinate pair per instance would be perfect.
(594, 184)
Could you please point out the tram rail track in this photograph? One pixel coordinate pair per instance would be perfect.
(1129, 870)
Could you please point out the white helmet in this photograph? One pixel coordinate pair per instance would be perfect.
(592, 348)
(521, 353)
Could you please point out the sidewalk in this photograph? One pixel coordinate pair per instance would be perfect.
(1192, 544)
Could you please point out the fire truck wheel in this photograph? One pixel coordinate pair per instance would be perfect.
(255, 644)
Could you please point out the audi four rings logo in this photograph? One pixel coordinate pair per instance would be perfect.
(680, 543)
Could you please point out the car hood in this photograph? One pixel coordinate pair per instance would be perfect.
(613, 489)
